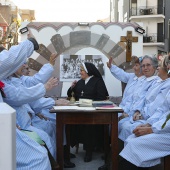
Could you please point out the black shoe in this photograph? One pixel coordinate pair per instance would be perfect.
(104, 167)
(68, 164)
(88, 157)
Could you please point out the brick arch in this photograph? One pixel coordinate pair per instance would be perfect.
(74, 41)
(77, 40)
(71, 43)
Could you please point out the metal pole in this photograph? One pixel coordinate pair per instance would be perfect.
(110, 10)
(168, 36)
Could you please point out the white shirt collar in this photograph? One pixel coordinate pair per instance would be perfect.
(135, 78)
(141, 77)
(151, 78)
(160, 80)
(87, 79)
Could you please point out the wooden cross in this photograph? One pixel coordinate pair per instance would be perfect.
(129, 39)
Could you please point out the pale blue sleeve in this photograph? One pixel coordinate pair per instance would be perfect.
(41, 77)
(164, 108)
(140, 97)
(155, 117)
(11, 60)
(29, 109)
(42, 103)
(17, 96)
(128, 104)
(157, 126)
(120, 74)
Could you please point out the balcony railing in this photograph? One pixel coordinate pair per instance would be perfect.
(153, 38)
(146, 10)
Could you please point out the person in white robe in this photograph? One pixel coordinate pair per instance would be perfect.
(28, 81)
(130, 79)
(29, 154)
(44, 104)
(148, 144)
(137, 84)
(154, 98)
(25, 95)
(12, 59)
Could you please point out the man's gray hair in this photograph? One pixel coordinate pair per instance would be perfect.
(153, 59)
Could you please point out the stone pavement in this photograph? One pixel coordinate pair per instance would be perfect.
(79, 160)
(96, 161)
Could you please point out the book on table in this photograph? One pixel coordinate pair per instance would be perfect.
(102, 103)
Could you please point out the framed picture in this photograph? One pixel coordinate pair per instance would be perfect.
(70, 65)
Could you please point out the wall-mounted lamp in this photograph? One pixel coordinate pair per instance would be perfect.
(83, 23)
(140, 30)
(23, 30)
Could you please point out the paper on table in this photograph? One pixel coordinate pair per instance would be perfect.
(72, 108)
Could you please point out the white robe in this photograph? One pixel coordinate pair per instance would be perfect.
(154, 99)
(29, 154)
(27, 95)
(146, 151)
(12, 59)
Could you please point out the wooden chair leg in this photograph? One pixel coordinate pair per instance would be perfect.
(67, 147)
(167, 162)
(106, 142)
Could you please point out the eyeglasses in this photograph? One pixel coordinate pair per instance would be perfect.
(145, 65)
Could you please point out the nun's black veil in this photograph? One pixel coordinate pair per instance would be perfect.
(93, 71)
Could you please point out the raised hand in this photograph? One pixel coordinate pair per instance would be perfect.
(73, 84)
(30, 35)
(109, 63)
(52, 82)
(53, 58)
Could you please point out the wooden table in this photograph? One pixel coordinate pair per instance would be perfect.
(88, 117)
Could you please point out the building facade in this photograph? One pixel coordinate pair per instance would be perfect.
(152, 15)
(10, 19)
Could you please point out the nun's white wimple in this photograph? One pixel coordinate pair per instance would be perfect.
(85, 67)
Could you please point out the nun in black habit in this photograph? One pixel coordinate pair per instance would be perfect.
(90, 86)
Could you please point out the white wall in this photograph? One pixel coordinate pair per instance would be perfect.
(150, 50)
(8, 137)
(114, 31)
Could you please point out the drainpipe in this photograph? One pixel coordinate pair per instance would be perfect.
(168, 36)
